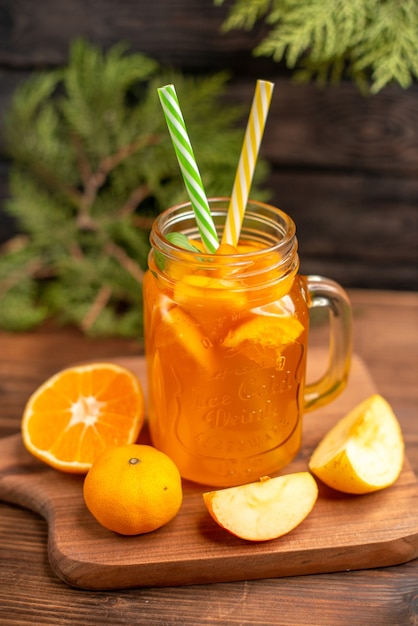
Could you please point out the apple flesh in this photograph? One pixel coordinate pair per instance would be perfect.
(266, 509)
(363, 452)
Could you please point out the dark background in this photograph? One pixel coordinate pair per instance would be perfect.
(343, 165)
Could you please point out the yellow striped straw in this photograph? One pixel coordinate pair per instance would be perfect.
(247, 162)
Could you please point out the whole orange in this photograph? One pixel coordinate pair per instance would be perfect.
(133, 489)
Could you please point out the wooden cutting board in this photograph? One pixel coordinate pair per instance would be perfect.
(342, 532)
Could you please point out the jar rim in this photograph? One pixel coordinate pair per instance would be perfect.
(274, 228)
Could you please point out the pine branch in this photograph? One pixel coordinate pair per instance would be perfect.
(391, 48)
(370, 41)
(98, 178)
(125, 261)
(30, 269)
(245, 13)
(96, 308)
(136, 197)
(92, 165)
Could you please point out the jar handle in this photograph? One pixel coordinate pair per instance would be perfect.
(326, 293)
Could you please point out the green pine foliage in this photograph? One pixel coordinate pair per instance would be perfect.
(373, 42)
(92, 165)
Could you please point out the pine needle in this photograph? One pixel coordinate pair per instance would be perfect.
(92, 165)
(373, 42)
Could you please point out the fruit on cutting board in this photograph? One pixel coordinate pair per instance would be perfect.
(79, 412)
(266, 509)
(133, 489)
(363, 452)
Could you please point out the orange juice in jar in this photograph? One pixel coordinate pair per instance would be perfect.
(226, 338)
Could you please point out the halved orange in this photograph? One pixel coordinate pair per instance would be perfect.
(79, 412)
(197, 291)
(265, 330)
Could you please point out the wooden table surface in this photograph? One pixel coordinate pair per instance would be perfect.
(385, 337)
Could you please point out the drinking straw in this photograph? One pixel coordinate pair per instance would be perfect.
(246, 166)
(188, 166)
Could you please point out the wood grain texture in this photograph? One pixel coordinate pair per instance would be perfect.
(180, 33)
(341, 533)
(354, 201)
(352, 228)
(31, 593)
(337, 128)
(335, 155)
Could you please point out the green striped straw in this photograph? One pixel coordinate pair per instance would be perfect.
(188, 166)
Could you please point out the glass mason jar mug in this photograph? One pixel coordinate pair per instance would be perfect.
(226, 338)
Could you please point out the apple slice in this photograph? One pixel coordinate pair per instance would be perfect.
(363, 452)
(266, 509)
